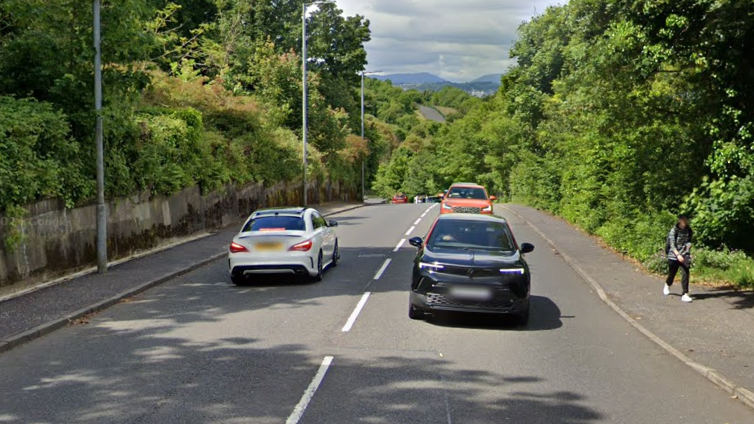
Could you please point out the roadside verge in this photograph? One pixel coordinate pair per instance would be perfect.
(56, 306)
(735, 389)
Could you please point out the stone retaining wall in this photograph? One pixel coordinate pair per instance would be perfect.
(58, 241)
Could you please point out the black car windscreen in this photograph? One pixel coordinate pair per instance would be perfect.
(464, 234)
(467, 193)
(275, 223)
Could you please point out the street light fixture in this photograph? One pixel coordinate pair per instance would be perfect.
(363, 73)
(305, 92)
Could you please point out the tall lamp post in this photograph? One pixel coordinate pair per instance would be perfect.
(363, 73)
(305, 91)
(101, 208)
(305, 99)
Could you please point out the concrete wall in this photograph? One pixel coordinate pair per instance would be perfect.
(59, 241)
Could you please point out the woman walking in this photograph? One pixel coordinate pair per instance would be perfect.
(678, 249)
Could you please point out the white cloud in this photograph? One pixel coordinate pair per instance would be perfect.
(456, 39)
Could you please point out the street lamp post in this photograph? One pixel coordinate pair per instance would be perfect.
(98, 140)
(363, 193)
(305, 99)
(305, 94)
(363, 73)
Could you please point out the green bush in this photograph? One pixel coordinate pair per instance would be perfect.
(37, 157)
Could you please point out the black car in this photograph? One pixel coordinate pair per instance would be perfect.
(470, 263)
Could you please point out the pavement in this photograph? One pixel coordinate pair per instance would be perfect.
(197, 349)
(715, 331)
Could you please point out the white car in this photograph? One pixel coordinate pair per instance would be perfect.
(296, 241)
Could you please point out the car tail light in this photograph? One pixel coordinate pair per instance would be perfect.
(304, 246)
(237, 248)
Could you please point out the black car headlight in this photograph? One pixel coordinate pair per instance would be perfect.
(431, 267)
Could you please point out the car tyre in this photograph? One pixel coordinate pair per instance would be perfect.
(522, 318)
(238, 279)
(317, 278)
(415, 313)
(335, 255)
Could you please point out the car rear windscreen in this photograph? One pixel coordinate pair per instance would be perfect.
(275, 223)
(467, 193)
(463, 234)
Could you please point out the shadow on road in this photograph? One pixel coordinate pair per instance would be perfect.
(740, 299)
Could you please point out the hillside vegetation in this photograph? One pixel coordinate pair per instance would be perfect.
(201, 92)
(618, 116)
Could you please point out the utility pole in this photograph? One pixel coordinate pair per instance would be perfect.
(363, 193)
(98, 139)
(363, 171)
(305, 98)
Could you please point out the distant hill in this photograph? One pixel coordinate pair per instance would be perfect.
(480, 87)
(491, 78)
(406, 79)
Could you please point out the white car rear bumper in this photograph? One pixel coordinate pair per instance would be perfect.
(279, 263)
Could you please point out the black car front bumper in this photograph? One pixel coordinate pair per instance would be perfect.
(431, 292)
(438, 302)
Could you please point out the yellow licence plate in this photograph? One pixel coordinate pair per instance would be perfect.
(268, 247)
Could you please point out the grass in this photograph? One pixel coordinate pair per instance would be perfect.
(446, 111)
(641, 240)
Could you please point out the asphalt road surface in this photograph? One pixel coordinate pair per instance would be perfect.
(200, 350)
(431, 114)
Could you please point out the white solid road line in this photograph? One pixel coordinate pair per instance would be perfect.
(418, 221)
(298, 411)
(410, 230)
(355, 314)
(382, 269)
(400, 244)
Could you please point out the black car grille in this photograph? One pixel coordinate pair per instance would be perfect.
(466, 209)
(435, 299)
(471, 272)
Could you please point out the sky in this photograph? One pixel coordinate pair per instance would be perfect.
(458, 40)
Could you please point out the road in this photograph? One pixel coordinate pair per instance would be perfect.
(200, 350)
(431, 113)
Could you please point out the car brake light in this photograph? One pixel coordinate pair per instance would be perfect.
(237, 248)
(302, 247)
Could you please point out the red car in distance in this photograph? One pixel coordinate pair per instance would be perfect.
(400, 198)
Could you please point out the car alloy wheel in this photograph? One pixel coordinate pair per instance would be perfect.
(237, 279)
(318, 277)
(335, 255)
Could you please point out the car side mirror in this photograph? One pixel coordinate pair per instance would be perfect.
(527, 248)
(493, 198)
(333, 223)
(416, 242)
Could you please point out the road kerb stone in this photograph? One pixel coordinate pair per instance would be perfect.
(744, 395)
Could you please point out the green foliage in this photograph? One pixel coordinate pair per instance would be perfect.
(618, 116)
(201, 92)
(37, 156)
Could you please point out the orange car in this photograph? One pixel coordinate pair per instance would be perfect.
(467, 198)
